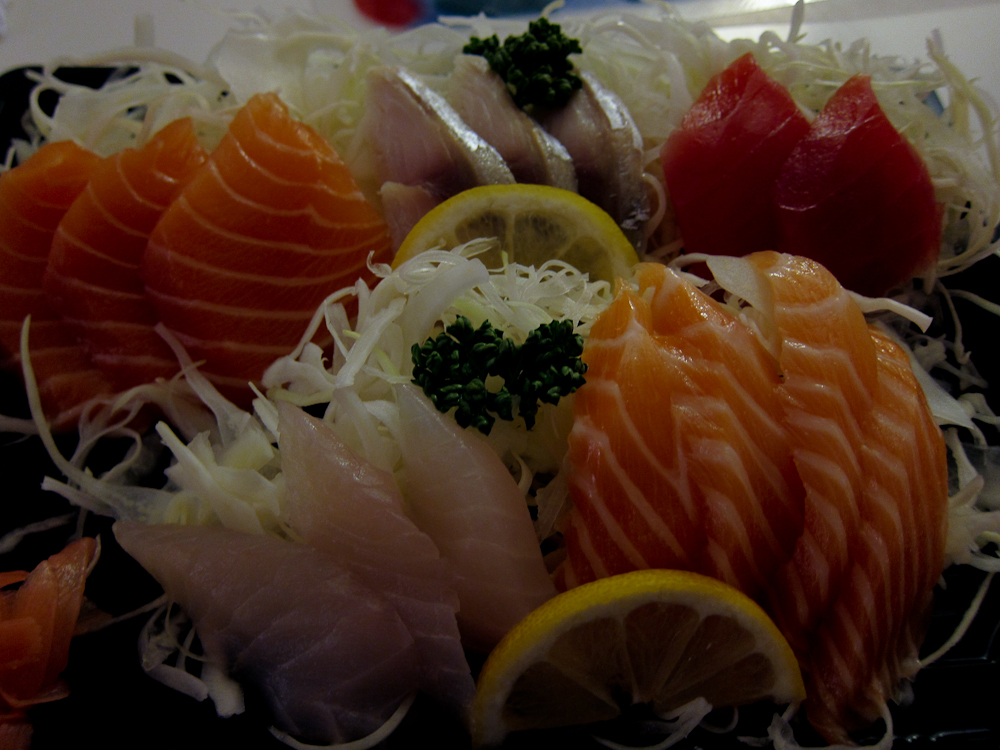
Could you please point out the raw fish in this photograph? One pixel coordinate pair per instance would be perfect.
(329, 656)
(34, 197)
(341, 504)
(93, 278)
(870, 639)
(678, 456)
(418, 140)
(595, 127)
(480, 97)
(460, 493)
(857, 197)
(721, 164)
(263, 232)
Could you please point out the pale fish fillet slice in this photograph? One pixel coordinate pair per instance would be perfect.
(343, 505)
(330, 657)
(460, 494)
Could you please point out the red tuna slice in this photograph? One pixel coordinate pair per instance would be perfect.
(855, 196)
(262, 233)
(721, 164)
(34, 197)
(330, 657)
(93, 277)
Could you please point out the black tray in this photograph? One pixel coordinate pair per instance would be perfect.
(116, 705)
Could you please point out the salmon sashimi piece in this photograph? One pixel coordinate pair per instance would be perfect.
(829, 365)
(656, 484)
(34, 197)
(870, 638)
(270, 225)
(36, 625)
(93, 277)
(330, 657)
(460, 493)
(341, 504)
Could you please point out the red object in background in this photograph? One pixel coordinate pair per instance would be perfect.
(721, 164)
(856, 196)
(391, 12)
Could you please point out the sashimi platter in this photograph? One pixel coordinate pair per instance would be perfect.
(580, 380)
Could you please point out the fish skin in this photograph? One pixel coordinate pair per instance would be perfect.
(870, 638)
(597, 130)
(460, 493)
(330, 657)
(93, 275)
(715, 495)
(418, 140)
(481, 99)
(268, 227)
(34, 197)
(344, 506)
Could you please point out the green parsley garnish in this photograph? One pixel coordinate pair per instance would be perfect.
(452, 369)
(534, 65)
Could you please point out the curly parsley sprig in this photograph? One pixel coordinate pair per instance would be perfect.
(452, 369)
(535, 65)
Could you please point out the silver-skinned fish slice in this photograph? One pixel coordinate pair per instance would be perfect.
(480, 97)
(601, 137)
(330, 657)
(343, 505)
(418, 140)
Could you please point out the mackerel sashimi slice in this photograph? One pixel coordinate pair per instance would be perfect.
(656, 484)
(34, 197)
(93, 276)
(460, 493)
(343, 505)
(264, 231)
(328, 655)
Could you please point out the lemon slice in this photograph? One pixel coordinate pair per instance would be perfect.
(534, 223)
(662, 637)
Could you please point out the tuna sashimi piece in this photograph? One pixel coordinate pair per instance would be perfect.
(854, 164)
(34, 197)
(597, 130)
(678, 456)
(344, 506)
(263, 232)
(93, 278)
(870, 638)
(418, 140)
(460, 493)
(830, 369)
(480, 97)
(721, 164)
(330, 657)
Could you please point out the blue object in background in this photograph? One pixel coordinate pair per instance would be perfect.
(400, 13)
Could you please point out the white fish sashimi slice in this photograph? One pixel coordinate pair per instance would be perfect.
(600, 135)
(481, 98)
(330, 657)
(462, 495)
(404, 206)
(344, 506)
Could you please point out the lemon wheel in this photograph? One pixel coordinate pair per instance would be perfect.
(662, 637)
(533, 224)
